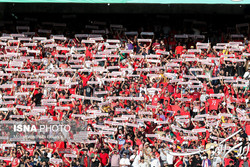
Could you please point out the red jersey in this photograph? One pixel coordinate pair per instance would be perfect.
(213, 104)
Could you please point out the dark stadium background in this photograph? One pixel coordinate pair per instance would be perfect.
(218, 18)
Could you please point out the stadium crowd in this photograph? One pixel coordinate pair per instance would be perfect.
(145, 101)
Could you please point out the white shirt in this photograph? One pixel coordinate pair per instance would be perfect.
(216, 161)
(88, 63)
(155, 162)
(203, 97)
(143, 89)
(50, 66)
(170, 159)
(144, 164)
(131, 67)
(246, 75)
(125, 161)
(135, 159)
(67, 81)
(72, 50)
(37, 159)
(1, 98)
(163, 154)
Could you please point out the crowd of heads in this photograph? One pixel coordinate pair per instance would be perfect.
(131, 100)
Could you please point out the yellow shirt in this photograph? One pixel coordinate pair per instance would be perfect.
(164, 78)
(106, 108)
(225, 52)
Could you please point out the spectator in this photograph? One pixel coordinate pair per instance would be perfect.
(124, 162)
(115, 159)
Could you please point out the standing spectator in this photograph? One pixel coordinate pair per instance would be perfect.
(115, 159)
(104, 157)
(143, 163)
(154, 162)
(85, 160)
(206, 162)
(231, 164)
(95, 162)
(124, 162)
(179, 49)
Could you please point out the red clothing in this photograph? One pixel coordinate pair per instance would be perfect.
(227, 160)
(175, 108)
(30, 150)
(248, 130)
(66, 162)
(242, 162)
(210, 91)
(85, 79)
(179, 49)
(15, 162)
(213, 104)
(170, 89)
(176, 95)
(138, 142)
(179, 163)
(104, 158)
(85, 161)
(196, 95)
(59, 144)
(155, 99)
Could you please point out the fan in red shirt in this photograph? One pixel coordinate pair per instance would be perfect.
(104, 158)
(155, 98)
(214, 104)
(15, 161)
(196, 95)
(178, 49)
(177, 94)
(84, 78)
